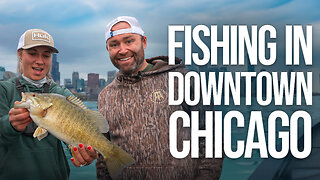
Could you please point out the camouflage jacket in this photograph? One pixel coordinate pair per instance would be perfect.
(138, 113)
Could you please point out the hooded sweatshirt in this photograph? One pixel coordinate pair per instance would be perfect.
(138, 113)
(22, 156)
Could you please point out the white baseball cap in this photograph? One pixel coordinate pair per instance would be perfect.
(36, 37)
(134, 27)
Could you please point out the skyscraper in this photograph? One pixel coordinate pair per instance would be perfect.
(55, 70)
(102, 83)
(93, 80)
(80, 85)
(93, 85)
(67, 83)
(111, 76)
(75, 78)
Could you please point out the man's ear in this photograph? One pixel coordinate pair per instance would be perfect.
(144, 41)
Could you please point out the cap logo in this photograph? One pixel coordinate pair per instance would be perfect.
(36, 35)
(111, 33)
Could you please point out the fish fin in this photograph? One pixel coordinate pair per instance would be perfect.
(40, 112)
(101, 122)
(76, 101)
(117, 161)
(40, 133)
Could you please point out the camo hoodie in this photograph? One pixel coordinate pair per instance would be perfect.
(138, 113)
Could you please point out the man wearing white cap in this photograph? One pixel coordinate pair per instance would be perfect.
(136, 106)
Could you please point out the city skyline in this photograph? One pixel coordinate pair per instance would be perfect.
(78, 27)
(83, 75)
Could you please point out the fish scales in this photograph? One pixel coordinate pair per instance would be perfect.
(76, 130)
(72, 123)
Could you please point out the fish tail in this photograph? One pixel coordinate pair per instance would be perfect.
(118, 160)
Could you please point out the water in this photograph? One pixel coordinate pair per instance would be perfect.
(241, 168)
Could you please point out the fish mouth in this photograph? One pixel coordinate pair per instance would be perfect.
(22, 104)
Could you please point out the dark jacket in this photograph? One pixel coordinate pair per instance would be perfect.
(22, 156)
(138, 113)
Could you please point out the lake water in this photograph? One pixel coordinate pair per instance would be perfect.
(241, 168)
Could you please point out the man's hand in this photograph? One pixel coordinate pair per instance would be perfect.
(83, 156)
(19, 118)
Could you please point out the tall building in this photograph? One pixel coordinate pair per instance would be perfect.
(93, 80)
(55, 69)
(111, 76)
(80, 85)
(67, 83)
(2, 70)
(102, 83)
(93, 85)
(75, 78)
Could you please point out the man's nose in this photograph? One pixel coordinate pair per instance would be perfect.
(123, 49)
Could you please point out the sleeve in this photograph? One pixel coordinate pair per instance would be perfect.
(208, 168)
(7, 133)
(66, 92)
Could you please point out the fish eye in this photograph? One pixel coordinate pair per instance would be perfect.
(34, 95)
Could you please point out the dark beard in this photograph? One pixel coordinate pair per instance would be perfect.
(138, 64)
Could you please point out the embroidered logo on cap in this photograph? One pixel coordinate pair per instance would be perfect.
(111, 33)
(37, 35)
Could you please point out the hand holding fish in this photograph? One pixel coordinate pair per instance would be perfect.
(19, 118)
(83, 156)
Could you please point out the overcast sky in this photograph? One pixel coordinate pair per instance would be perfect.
(78, 26)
